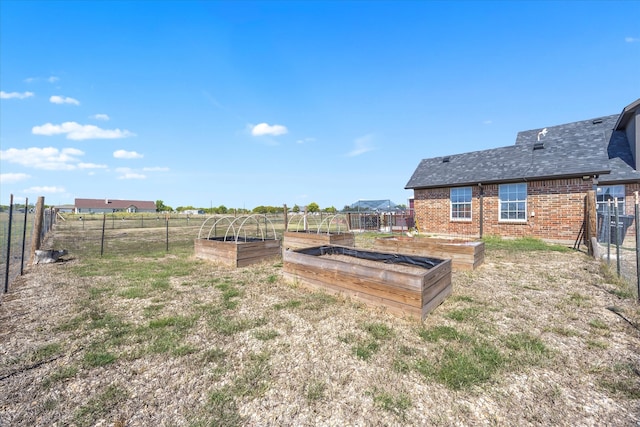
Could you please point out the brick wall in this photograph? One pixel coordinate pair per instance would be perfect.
(555, 211)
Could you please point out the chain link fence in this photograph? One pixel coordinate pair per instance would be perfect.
(618, 235)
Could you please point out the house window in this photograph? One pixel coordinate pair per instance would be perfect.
(609, 192)
(461, 203)
(513, 202)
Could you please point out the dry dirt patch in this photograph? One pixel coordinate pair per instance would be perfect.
(545, 338)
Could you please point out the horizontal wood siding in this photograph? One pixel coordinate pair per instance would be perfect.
(464, 254)
(240, 254)
(404, 293)
(302, 239)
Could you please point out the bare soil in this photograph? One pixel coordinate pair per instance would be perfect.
(295, 364)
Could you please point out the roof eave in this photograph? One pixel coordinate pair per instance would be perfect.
(627, 111)
(511, 180)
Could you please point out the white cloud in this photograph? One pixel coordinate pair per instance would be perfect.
(46, 189)
(632, 39)
(127, 173)
(8, 178)
(487, 122)
(55, 99)
(156, 169)
(305, 140)
(48, 158)
(362, 145)
(91, 166)
(79, 132)
(18, 95)
(266, 129)
(102, 117)
(123, 154)
(50, 79)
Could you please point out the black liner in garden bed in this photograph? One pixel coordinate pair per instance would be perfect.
(387, 258)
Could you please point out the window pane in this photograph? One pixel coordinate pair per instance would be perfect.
(607, 193)
(513, 201)
(460, 203)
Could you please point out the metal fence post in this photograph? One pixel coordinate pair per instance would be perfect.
(104, 220)
(608, 231)
(6, 273)
(615, 212)
(637, 211)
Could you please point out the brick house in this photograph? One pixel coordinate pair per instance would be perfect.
(87, 206)
(535, 187)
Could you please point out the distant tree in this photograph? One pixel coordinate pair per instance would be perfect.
(331, 209)
(222, 209)
(161, 207)
(260, 209)
(185, 208)
(296, 208)
(346, 208)
(313, 207)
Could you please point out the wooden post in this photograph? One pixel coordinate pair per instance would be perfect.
(286, 220)
(24, 233)
(304, 220)
(36, 237)
(590, 219)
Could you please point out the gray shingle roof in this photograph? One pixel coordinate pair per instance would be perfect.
(569, 150)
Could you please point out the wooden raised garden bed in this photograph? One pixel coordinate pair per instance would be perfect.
(404, 285)
(465, 254)
(241, 253)
(309, 239)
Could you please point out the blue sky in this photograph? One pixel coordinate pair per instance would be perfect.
(210, 103)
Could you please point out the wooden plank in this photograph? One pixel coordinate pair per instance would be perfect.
(237, 254)
(302, 239)
(408, 291)
(435, 301)
(391, 306)
(410, 281)
(466, 255)
(354, 283)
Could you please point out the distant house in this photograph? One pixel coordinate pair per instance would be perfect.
(384, 205)
(109, 206)
(535, 187)
(192, 212)
(65, 208)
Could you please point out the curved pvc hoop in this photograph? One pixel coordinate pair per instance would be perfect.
(300, 219)
(236, 226)
(202, 226)
(213, 226)
(264, 232)
(330, 220)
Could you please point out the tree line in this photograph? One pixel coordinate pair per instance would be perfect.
(222, 209)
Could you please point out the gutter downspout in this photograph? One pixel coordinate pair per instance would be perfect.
(481, 208)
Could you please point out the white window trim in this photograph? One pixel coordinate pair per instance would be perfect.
(622, 202)
(526, 205)
(470, 203)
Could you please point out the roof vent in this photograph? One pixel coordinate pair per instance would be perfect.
(446, 159)
(596, 121)
(538, 145)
